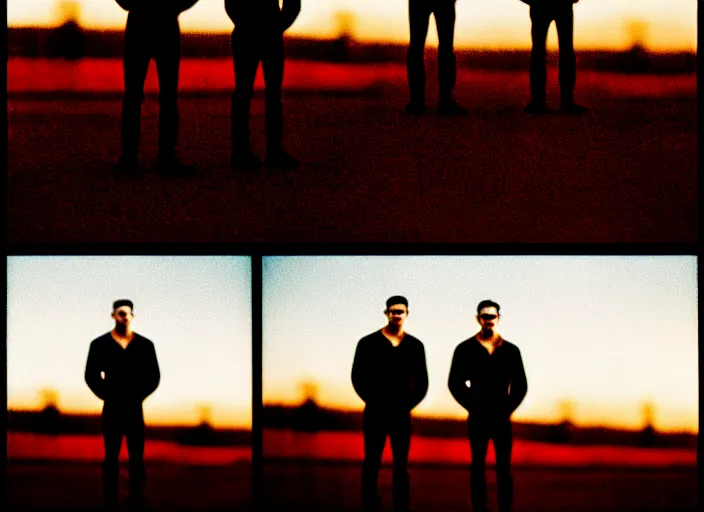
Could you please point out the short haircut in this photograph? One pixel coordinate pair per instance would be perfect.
(396, 299)
(488, 303)
(122, 302)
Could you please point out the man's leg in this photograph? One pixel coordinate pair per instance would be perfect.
(135, 448)
(478, 443)
(112, 439)
(503, 443)
(246, 49)
(564, 20)
(136, 63)
(167, 59)
(447, 64)
(374, 426)
(419, 18)
(273, 68)
(540, 22)
(400, 437)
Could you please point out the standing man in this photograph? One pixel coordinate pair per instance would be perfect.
(487, 379)
(419, 12)
(152, 32)
(258, 36)
(542, 13)
(122, 370)
(389, 374)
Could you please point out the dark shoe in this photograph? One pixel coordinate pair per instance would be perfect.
(573, 109)
(126, 166)
(172, 166)
(536, 109)
(245, 161)
(415, 108)
(281, 159)
(452, 109)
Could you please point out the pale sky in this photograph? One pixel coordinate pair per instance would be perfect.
(670, 24)
(196, 311)
(607, 334)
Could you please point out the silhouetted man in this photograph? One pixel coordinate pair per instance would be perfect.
(152, 32)
(258, 36)
(487, 379)
(122, 370)
(542, 13)
(389, 374)
(419, 12)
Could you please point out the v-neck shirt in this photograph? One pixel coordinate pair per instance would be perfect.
(388, 376)
(120, 374)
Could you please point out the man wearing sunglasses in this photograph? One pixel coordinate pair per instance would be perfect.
(390, 375)
(122, 370)
(487, 378)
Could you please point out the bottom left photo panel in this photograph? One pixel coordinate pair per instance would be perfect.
(129, 383)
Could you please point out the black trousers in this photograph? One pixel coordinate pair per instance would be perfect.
(249, 48)
(500, 431)
(541, 16)
(148, 38)
(419, 12)
(123, 420)
(378, 424)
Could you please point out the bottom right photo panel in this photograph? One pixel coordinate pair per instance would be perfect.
(482, 383)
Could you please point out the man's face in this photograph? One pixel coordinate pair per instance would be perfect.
(488, 318)
(123, 316)
(396, 313)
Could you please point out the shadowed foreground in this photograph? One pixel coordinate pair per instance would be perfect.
(34, 485)
(625, 172)
(318, 487)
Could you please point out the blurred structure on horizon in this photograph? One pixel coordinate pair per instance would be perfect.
(67, 40)
(63, 42)
(310, 417)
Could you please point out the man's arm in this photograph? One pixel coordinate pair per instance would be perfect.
(457, 381)
(232, 8)
(519, 383)
(420, 379)
(153, 376)
(360, 372)
(93, 368)
(289, 13)
(184, 5)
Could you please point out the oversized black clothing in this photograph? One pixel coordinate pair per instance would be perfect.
(391, 381)
(129, 375)
(490, 387)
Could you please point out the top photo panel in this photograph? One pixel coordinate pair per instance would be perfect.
(439, 121)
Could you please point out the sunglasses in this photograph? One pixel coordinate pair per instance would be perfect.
(121, 314)
(487, 317)
(397, 312)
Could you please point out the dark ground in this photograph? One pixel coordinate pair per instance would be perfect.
(626, 172)
(327, 487)
(77, 486)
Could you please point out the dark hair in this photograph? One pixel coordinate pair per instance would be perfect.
(122, 302)
(396, 299)
(488, 303)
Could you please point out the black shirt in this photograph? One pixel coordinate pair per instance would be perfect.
(497, 381)
(388, 376)
(130, 374)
